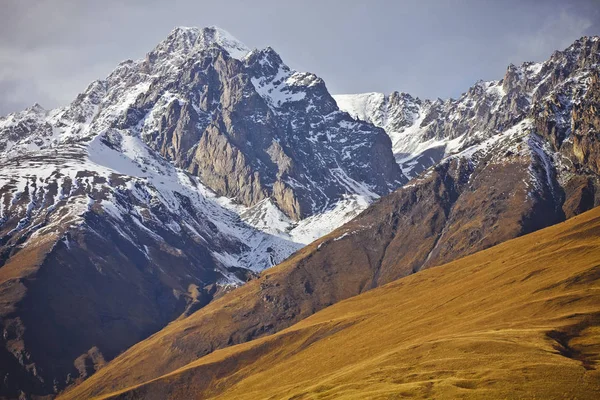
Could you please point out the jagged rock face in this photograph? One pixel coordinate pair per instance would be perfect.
(251, 128)
(564, 114)
(21, 129)
(586, 127)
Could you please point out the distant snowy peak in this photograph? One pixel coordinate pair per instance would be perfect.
(278, 84)
(391, 112)
(400, 115)
(363, 106)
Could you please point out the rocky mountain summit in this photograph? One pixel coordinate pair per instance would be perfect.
(158, 189)
(251, 128)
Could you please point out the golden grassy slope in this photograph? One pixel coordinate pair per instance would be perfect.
(519, 320)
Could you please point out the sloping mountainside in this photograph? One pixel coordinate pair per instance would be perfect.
(535, 173)
(159, 188)
(519, 320)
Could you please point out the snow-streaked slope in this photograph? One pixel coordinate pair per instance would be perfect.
(111, 165)
(266, 217)
(268, 236)
(169, 184)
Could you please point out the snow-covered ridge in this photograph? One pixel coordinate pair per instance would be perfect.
(276, 90)
(423, 132)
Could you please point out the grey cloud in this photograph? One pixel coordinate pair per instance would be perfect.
(556, 32)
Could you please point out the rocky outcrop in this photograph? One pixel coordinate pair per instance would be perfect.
(586, 127)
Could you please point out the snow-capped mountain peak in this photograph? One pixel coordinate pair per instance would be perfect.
(183, 41)
(215, 35)
(36, 108)
(244, 130)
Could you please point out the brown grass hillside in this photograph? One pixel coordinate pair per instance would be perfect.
(520, 320)
(393, 238)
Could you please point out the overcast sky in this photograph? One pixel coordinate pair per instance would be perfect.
(50, 50)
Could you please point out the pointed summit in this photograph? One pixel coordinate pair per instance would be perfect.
(186, 40)
(37, 108)
(214, 35)
(183, 36)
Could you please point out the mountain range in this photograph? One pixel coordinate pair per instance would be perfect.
(142, 215)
